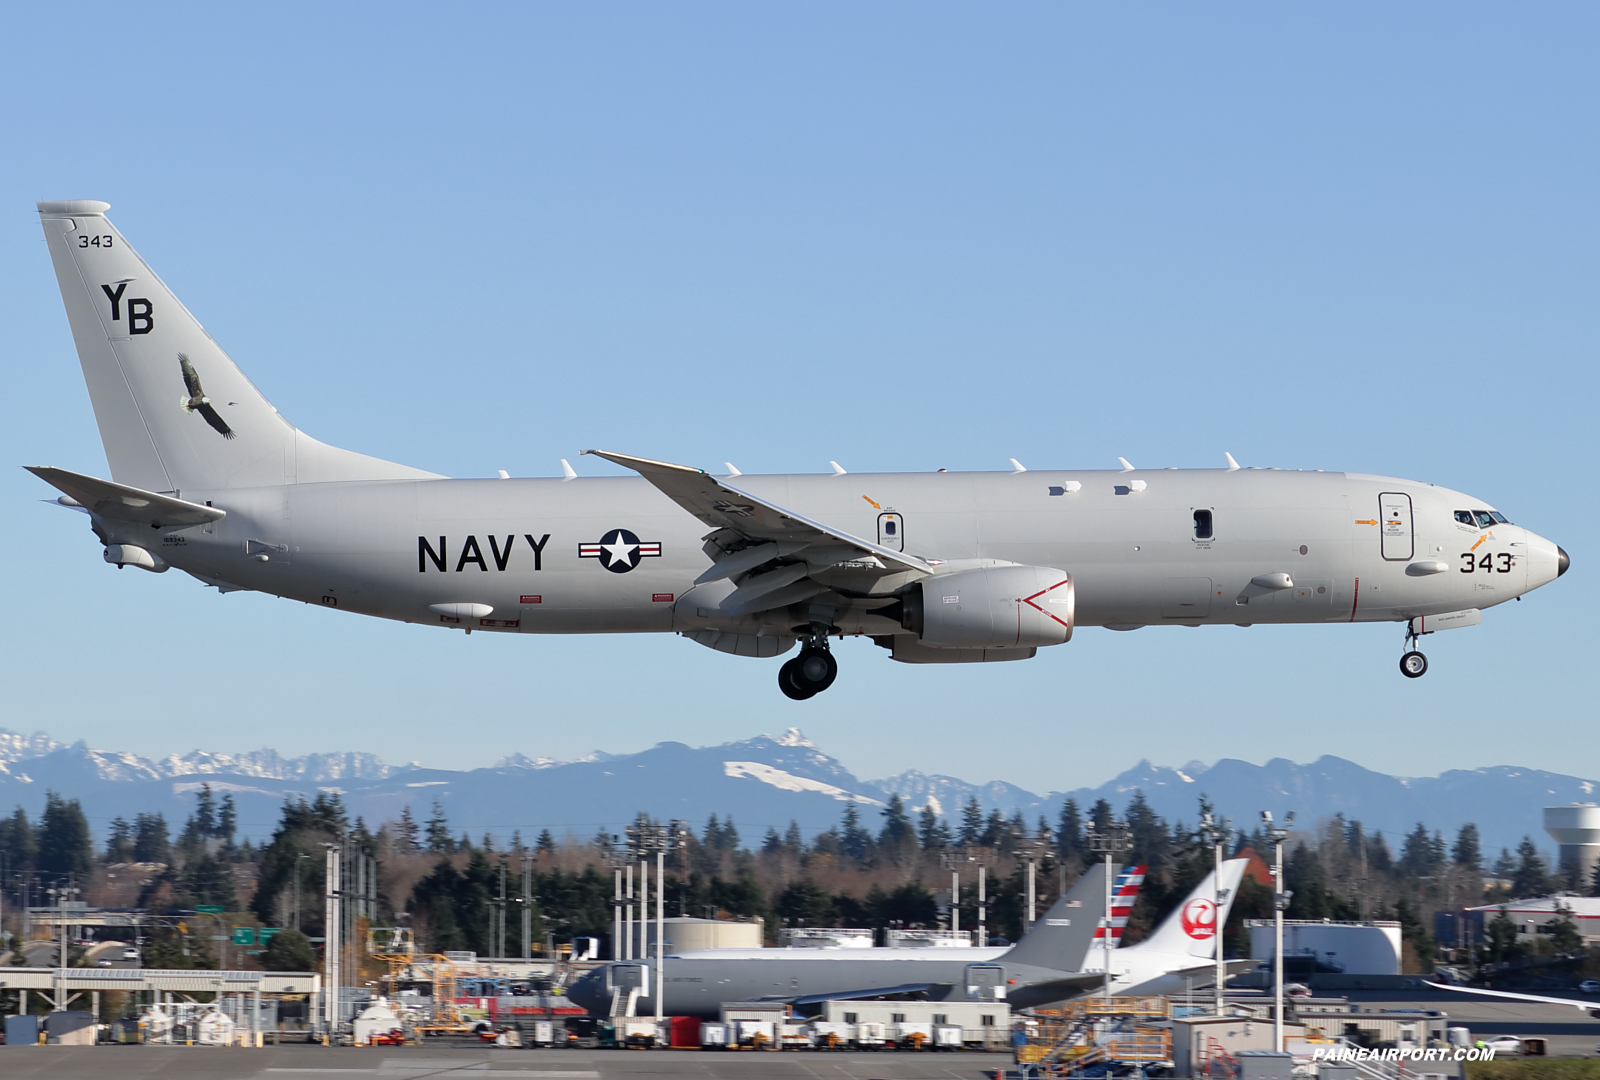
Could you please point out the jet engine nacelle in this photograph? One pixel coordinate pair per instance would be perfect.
(991, 607)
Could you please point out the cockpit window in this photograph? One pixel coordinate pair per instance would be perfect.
(1466, 518)
(1498, 516)
(1485, 519)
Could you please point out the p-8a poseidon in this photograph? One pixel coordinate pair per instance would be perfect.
(937, 568)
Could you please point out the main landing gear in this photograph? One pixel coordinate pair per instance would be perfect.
(810, 673)
(1413, 665)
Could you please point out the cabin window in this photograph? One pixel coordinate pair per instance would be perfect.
(941, 1018)
(850, 1018)
(1465, 517)
(987, 1020)
(1202, 525)
(899, 1018)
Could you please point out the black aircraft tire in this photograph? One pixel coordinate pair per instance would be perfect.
(815, 669)
(788, 681)
(1413, 665)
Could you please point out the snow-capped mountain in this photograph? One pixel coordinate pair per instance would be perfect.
(763, 782)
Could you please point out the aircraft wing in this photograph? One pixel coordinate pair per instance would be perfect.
(862, 995)
(1587, 1006)
(756, 532)
(122, 503)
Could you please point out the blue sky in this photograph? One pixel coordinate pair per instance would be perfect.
(902, 236)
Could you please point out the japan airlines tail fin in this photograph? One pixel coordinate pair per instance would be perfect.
(1192, 928)
(1063, 937)
(174, 411)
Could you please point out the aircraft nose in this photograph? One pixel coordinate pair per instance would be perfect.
(1563, 560)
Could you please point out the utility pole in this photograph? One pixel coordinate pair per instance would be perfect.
(333, 915)
(1113, 840)
(527, 908)
(1280, 901)
(645, 838)
(1217, 833)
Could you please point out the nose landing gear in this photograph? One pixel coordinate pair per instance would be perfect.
(1413, 665)
(810, 673)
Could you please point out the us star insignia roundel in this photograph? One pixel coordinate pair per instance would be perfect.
(620, 551)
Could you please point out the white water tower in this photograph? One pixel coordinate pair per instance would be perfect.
(1577, 829)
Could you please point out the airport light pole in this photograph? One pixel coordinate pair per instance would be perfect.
(1114, 839)
(332, 947)
(645, 838)
(1280, 900)
(1217, 832)
(1032, 849)
(951, 861)
(981, 856)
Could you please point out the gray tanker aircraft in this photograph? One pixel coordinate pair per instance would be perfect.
(937, 567)
(1045, 965)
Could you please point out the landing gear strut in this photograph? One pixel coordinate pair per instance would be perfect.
(1413, 665)
(810, 673)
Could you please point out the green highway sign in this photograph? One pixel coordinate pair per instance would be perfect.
(209, 909)
(244, 935)
(264, 935)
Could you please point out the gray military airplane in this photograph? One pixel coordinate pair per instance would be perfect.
(1046, 965)
(937, 568)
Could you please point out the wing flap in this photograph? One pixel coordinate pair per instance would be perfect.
(723, 506)
(120, 502)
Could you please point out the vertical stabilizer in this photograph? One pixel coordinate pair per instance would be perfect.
(1061, 939)
(174, 411)
(1194, 926)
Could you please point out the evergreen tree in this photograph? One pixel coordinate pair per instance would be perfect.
(1564, 935)
(64, 844)
(772, 843)
(119, 845)
(546, 843)
(407, 837)
(854, 840)
(971, 822)
(932, 833)
(438, 831)
(227, 823)
(1504, 866)
(730, 835)
(1531, 877)
(17, 842)
(793, 839)
(896, 824)
(150, 843)
(1069, 830)
(1415, 852)
(1100, 814)
(804, 903)
(711, 839)
(1468, 850)
(289, 950)
(1500, 939)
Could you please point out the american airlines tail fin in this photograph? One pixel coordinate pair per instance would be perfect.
(174, 411)
(1124, 893)
(1192, 928)
(1062, 938)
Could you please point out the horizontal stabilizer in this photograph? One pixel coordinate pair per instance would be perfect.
(122, 503)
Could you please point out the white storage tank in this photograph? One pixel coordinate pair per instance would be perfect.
(1576, 829)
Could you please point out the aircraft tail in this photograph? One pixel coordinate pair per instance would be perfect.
(1124, 892)
(174, 411)
(1062, 938)
(1194, 926)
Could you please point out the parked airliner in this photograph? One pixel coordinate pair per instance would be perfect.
(936, 567)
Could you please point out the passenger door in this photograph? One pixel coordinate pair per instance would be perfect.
(1394, 523)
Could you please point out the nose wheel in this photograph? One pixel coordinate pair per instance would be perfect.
(808, 674)
(1413, 665)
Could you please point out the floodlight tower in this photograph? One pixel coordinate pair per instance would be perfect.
(951, 861)
(1217, 832)
(1032, 849)
(1110, 841)
(1280, 901)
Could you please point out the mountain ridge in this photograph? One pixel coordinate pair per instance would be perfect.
(761, 782)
